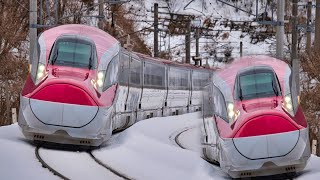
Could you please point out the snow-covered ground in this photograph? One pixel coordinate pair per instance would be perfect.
(147, 150)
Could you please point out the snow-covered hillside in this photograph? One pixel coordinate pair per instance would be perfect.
(146, 150)
(220, 18)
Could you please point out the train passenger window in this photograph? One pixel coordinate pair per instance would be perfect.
(112, 73)
(124, 69)
(199, 80)
(135, 72)
(178, 79)
(154, 75)
(75, 52)
(257, 83)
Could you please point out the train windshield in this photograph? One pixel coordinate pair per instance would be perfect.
(73, 52)
(257, 84)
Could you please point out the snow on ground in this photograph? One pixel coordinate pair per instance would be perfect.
(75, 165)
(144, 151)
(17, 157)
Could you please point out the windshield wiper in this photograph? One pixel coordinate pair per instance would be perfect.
(55, 58)
(240, 94)
(274, 89)
(90, 62)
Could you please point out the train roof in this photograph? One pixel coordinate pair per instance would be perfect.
(102, 40)
(171, 63)
(229, 73)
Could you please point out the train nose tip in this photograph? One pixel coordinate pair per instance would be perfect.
(266, 136)
(64, 93)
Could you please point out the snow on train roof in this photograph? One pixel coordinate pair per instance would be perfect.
(102, 40)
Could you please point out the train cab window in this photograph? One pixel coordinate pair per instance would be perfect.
(74, 51)
(154, 75)
(258, 82)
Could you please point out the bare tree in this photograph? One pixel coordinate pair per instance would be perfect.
(14, 19)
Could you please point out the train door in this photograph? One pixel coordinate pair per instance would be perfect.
(178, 91)
(122, 92)
(154, 90)
(135, 85)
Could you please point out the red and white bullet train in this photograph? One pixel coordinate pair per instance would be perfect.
(83, 86)
(253, 123)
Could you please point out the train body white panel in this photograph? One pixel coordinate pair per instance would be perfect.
(177, 98)
(196, 100)
(98, 130)
(152, 99)
(121, 98)
(62, 114)
(133, 99)
(234, 163)
(266, 146)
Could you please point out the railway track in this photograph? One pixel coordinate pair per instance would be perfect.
(109, 167)
(97, 170)
(177, 140)
(45, 165)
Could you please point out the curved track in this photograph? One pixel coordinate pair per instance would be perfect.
(187, 138)
(45, 165)
(71, 164)
(108, 167)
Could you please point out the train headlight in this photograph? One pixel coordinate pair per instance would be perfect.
(41, 73)
(230, 108)
(287, 104)
(99, 81)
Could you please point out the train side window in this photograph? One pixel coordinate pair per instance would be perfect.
(178, 79)
(154, 75)
(124, 69)
(135, 72)
(112, 72)
(199, 80)
(219, 104)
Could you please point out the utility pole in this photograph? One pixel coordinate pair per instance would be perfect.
(280, 28)
(241, 46)
(187, 41)
(101, 13)
(155, 31)
(308, 43)
(317, 29)
(197, 42)
(32, 30)
(294, 57)
(56, 4)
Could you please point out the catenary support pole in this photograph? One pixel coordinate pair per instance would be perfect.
(32, 29)
(155, 31)
(187, 41)
(294, 56)
(280, 28)
(101, 13)
(308, 43)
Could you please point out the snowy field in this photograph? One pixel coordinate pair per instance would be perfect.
(147, 150)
